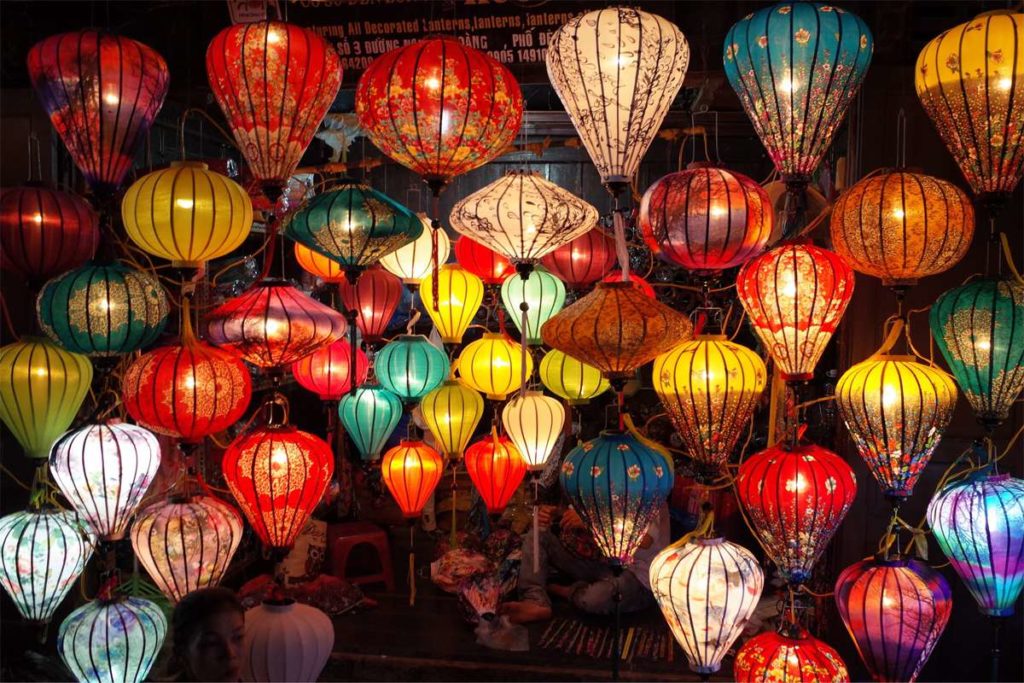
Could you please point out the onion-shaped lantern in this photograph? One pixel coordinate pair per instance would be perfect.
(374, 297)
(979, 524)
(411, 471)
(112, 640)
(459, 295)
(286, 641)
(103, 310)
(43, 389)
(583, 261)
(102, 93)
(533, 422)
(44, 231)
(493, 365)
(452, 411)
(274, 82)
(796, 67)
(706, 219)
(570, 378)
(902, 226)
(318, 265)
(496, 468)
(414, 261)
(795, 499)
(410, 367)
(793, 655)
(895, 610)
(104, 470)
(369, 415)
(707, 590)
(979, 328)
(328, 373)
(485, 263)
(539, 294)
(795, 296)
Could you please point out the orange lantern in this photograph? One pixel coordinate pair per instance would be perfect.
(328, 372)
(411, 471)
(496, 468)
(318, 265)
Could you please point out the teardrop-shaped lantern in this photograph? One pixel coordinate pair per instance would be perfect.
(286, 641)
(796, 66)
(369, 415)
(374, 297)
(414, 261)
(452, 411)
(540, 294)
(533, 422)
(496, 468)
(410, 367)
(318, 265)
(102, 93)
(44, 231)
(493, 365)
(796, 655)
(459, 295)
(583, 261)
(328, 373)
(485, 263)
(572, 379)
(112, 640)
(411, 471)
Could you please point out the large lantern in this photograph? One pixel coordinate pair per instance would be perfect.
(112, 640)
(485, 263)
(43, 388)
(539, 294)
(452, 411)
(533, 422)
(496, 469)
(458, 298)
(369, 415)
(44, 231)
(410, 366)
(707, 589)
(979, 328)
(414, 261)
(895, 610)
(411, 471)
(374, 297)
(274, 82)
(795, 296)
(796, 66)
(570, 378)
(318, 265)
(795, 499)
(793, 655)
(493, 365)
(583, 261)
(286, 641)
(979, 524)
(328, 373)
(102, 93)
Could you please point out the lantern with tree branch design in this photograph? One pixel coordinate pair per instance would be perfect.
(583, 261)
(496, 468)
(452, 411)
(411, 471)
(329, 372)
(459, 294)
(485, 263)
(410, 367)
(374, 297)
(369, 416)
(44, 231)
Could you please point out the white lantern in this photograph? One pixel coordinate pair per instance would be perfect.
(112, 641)
(414, 261)
(534, 422)
(286, 642)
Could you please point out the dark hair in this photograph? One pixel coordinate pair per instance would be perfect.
(197, 607)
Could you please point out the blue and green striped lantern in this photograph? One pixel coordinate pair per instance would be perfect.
(369, 415)
(410, 367)
(543, 294)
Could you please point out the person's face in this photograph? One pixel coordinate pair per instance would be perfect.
(214, 653)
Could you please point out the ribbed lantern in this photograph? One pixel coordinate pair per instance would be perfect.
(369, 415)
(328, 373)
(485, 263)
(644, 285)
(43, 389)
(274, 82)
(186, 542)
(103, 310)
(795, 296)
(496, 468)
(979, 328)
(273, 324)
(795, 499)
(583, 261)
(318, 265)
(414, 261)
(452, 411)
(970, 80)
(570, 378)
(102, 93)
(540, 293)
(112, 640)
(493, 365)
(895, 610)
(286, 641)
(979, 524)
(706, 219)
(710, 387)
(796, 67)
(44, 231)
(458, 298)
(796, 655)
(374, 297)
(902, 226)
(707, 590)
(533, 422)
(410, 367)
(411, 471)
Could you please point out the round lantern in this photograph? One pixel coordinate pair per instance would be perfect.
(43, 389)
(410, 366)
(274, 82)
(796, 655)
(895, 610)
(485, 263)
(104, 471)
(970, 80)
(414, 261)
(902, 226)
(896, 410)
(644, 285)
(186, 543)
(533, 422)
(710, 387)
(374, 297)
(273, 324)
(286, 641)
(493, 365)
(328, 372)
(795, 296)
(44, 231)
(411, 471)
(979, 328)
(318, 265)
(707, 590)
(112, 640)
(541, 293)
(617, 71)
(617, 485)
(706, 219)
(570, 378)
(439, 108)
(796, 66)
(42, 554)
(979, 524)
(583, 261)
(496, 469)
(102, 93)
(103, 310)
(369, 415)
(458, 298)
(795, 499)
(452, 411)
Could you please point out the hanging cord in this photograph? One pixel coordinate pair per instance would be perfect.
(35, 153)
(228, 137)
(901, 139)
(412, 562)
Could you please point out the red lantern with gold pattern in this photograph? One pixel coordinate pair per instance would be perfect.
(485, 263)
(583, 261)
(791, 654)
(411, 471)
(496, 468)
(328, 372)
(44, 231)
(374, 297)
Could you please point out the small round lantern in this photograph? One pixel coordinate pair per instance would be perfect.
(410, 367)
(318, 265)
(583, 261)
(485, 263)
(458, 298)
(452, 411)
(374, 297)
(493, 365)
(570, 378)
(286, 641)
(533, 422)
(411, 471)
(496, 469)
(369, 415)
(44, 231)
(414, 261)
(328, 373)
(541, 293)
(793, 655)
(112, 640)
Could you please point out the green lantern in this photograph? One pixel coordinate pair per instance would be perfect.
(103, 310)
(543, 294)
(979, 328)
(410, 367)
(369, 415)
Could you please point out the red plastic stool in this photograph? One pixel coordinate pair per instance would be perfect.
(344, 537)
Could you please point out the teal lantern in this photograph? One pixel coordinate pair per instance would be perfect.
(369, 415)
(410, 367)
(103, 310)
(979, 328)
(543, 295)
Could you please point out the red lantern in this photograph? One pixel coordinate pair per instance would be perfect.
(374, 297)
(496, 468)
(485, 263)
(102, 93)
(584, 260)
(275, 82)
(644, 285)
(411, 471)
(328, 372)
(796, 655)
(44, 232)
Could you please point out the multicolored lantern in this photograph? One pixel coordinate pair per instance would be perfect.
(795, 655)
(410, 367)
(318, 265)
(44, 231)
(533, 422)
(112, 640)
(414, 261)
(493, 365)
(452, 411)
(369, 415)
(583, 261)
(496, 469)
(458, 298)
(487, 264)
(570, 378)
(374, 297)
(411, 471)
(286, 641)
(539, 295)
(328, 373)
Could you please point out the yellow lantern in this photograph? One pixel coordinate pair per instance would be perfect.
(493, 365)
(459, 295)
(570, 378)
(452, 411)
(187, 214)
(318, 265)
(534, 422)
(414, 261)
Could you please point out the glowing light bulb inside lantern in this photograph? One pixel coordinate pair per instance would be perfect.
(39, 372)
(446, 121)
(1005, 83)
(278, 458)
(272, 328)
(578, 255)
(273, 37)
(367, 311)
(788, 285)
(898, 214)
(707, 375)
(890, 395)
(500, 363)
(718, 211)
(983, 344)
(530, 229)
(111, 98)
(434, 83)
(190, 381)
(797, 485)
(102, 306)
(184, 203)
(788, 85)
(38, 218)
(887, 601)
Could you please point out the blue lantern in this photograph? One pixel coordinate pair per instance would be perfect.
(410, 367)
(369, 415)
(112, 640)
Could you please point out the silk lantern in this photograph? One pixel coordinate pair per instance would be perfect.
(493, 365)
(539, 295)
(410, 367)
(414, 261)
(795, 498)
(895, 610)
(318, 265)
(45, 231)
(44, 388)
(582, 261)
(496, 469)
(485, 263)
(112, 640)
(411, 471)
(328, 373)
(790, 654)
(102, 92)
(570, 378)
(533, 422)
(374, 297)
(452, 411)
(795, 296)
(369, 416)
(286, 641)
(458, 298)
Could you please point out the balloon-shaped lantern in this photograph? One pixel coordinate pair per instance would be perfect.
(318, 265)
(452, 411)
(112, 640)
(793, 655)
(485, 263)
(539, 294)
(411, 471)
(533, 422)
(44, 231)
(583, 261)
(369, 415)
(496, 468)
(458, 298)
(493, 365)
(414, 261)
(410, 367)
(328, 373)
(286, 641)
(570, 378)
(374, 297)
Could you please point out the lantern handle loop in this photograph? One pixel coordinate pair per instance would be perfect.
(653, 445)
(1008, 257)
(278, 399)
(890, 339)
(705, 527)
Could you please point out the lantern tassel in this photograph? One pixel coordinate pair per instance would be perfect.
(536, 524)
(412, 563)
(454, 539)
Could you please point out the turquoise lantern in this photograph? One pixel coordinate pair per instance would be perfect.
(369, 415)
(541, 292)
(410, 367)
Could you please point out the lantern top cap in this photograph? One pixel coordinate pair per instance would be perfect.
(710, 337)
(718, 540)
(891, 561)
(190, 164)
(895, 358)
(492, 335)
